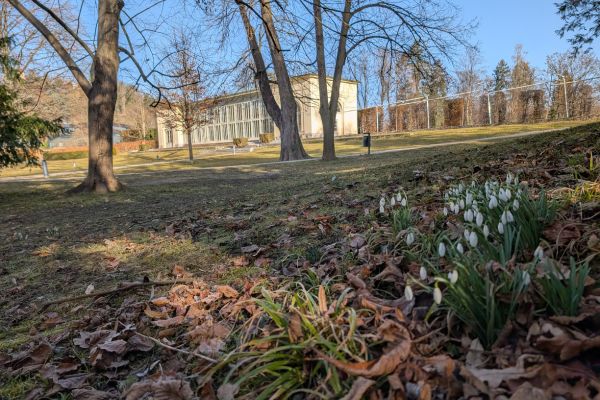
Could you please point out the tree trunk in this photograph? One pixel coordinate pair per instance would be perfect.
(190, 147)
(102, 99)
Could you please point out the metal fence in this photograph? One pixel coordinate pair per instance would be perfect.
(539, 102)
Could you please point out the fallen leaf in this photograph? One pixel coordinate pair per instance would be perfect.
(89, 289)
(228, 291)
(358, 389)
(169, 322)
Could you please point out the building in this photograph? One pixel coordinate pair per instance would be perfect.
(244, 115)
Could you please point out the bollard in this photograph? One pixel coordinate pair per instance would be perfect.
(367, 142)
(45, 168)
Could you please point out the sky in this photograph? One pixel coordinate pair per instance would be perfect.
(504, 23)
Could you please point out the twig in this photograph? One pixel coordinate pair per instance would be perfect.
(166, 346)
(124, 287)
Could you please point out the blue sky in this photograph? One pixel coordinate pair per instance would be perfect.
(504, 23)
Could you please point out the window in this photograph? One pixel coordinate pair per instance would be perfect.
(169, 135)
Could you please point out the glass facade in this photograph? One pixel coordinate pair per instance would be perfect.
(247, 118)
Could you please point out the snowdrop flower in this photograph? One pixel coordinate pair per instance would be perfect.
(399, 197)
(538, 254)
(509, 216)
(437, 295)
(526, 278)
(382, 205)
(446, 196)
(460, 187)
(516, 205)
(441, 249)
(459, 248)
(493, 202)
(509, 178)
(403, 202)
(467, 234)
(410, 238)
(473, 239)
(486, 231)
(469, 198)
(408, 293)
(393, 201)
(508, 194)
(502, 195)
(461, 204)
(445, 211)
(468, 215)
(423, 273)
(479, 219)
(453, 277)
(500, 228)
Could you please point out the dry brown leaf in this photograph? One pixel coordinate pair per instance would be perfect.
(155, 314)
(118, 346)
(227, 391)
(165, 388)
(169, 322)
(92, 394)
(160, 301)
(180, 272)
(358, 389)
(494, 377)
(29, 360)
(228, 291)
(322, 300)
(386, 364)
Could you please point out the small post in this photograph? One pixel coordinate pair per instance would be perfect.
(367, 142)
(234, 149)
(566, 96)
(489, 109)
(376, 119)
(428, 119)
(45, 168)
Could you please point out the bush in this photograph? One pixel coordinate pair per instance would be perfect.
(240, 142)
(69, 155)
(266, 137)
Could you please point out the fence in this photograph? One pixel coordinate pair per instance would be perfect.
(119, 147)
(545, 101)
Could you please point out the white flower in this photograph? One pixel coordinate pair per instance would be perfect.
(456, 209)
(516, 205)
(403, 202)
(410, 238)
(446, 196)
(473, 239)
(460, 187)
(467, 234)
(441, 249)
(538, 254)
(408, 293)
(508, 194)
(526, 278)
(469, 216)
(437, 295)
(503, 218)
(393, 201)
(502, 194)
(423, 273)
(493, 202)
(509, 216)
(500, 228)
(509, 178)
(486, 231)
(445, 211)
(479, 219)
(399, 197)
(461, 204)
(469, 198)
(453, 277)
(381, 209)
(459, 248)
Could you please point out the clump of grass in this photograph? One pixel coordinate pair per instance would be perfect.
(561, 292)
(272, 356)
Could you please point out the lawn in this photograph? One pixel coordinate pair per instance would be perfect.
(205, 157)
(199, 221)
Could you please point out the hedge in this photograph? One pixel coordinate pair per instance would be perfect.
(69, 155)
(266, 137)
(240, 142)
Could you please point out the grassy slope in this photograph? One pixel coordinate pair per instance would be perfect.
(178, 158)
(55, 245)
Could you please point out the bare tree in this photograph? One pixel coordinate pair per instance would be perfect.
(395, 25)
(284, 113)
(469, 79)
(187, 100)
(101, 88)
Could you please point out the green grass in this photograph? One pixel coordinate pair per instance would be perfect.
(177, 159)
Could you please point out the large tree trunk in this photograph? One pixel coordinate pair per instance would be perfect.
(291, 145)
(102, 99)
